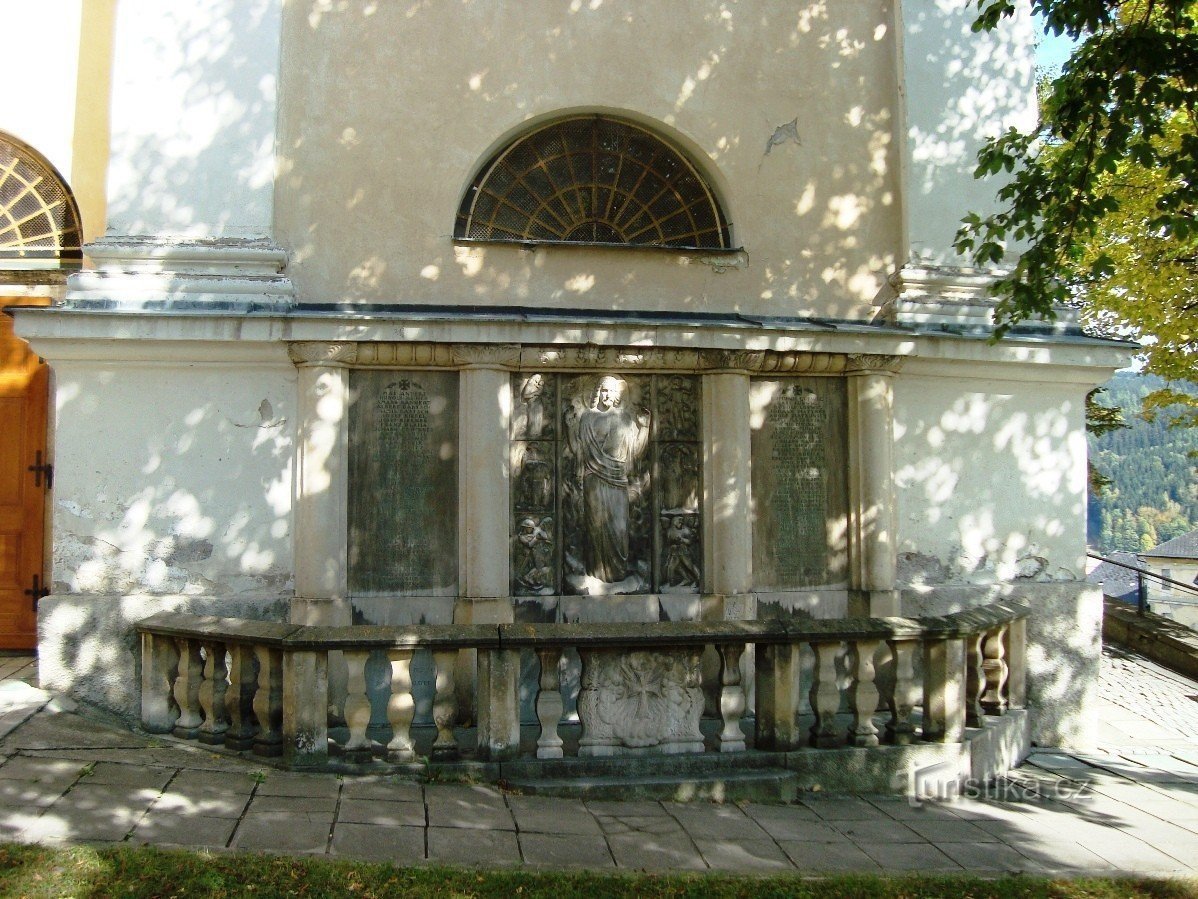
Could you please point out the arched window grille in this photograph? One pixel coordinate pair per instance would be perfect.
(592, 180)
(39, 219)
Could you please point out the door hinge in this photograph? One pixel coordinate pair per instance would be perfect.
(37, 591)
(40, 468)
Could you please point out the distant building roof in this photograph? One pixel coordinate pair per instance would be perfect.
(1117, 583)
(1183, 547)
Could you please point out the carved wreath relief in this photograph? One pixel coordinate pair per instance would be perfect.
(605, 484)
(640, 700)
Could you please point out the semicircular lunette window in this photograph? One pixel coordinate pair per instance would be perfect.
(592, 180)
(39, 220)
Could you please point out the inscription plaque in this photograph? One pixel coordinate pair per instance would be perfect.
(799, 491)
(402, 476)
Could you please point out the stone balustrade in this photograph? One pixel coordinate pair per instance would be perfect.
(264, 687)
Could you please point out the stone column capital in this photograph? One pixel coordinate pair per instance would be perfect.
(321, 353)
(486, 356)
(872, 364)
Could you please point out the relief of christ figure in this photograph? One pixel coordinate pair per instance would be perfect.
(607, 441)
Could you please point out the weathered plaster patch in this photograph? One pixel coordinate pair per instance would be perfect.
(784, 134)
(920, 568)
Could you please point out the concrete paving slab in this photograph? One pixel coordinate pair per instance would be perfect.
(464, 810)
(283, 833)
(166, 829)
(1054, 855)
(988, 857)
(64, 731)
(828, 857)
(655, 852)
(909, 857)
(462, 846)
(1128, 854)
(381, 813)
(753, 856)
(632, 824)
(781, 821)
(617, 809)
(88, 797)
(375, 843)
(1167, 768)
(312, 786)
(78, 825)
(292, 805)
(950, 832)
(192, 780)
(194, 804)
(716, 822)
(542, 814)
(31, 770)
(16, 794)
(901, 809)
(565, 851)
(138, 776)
(1175, 842)
(792, 823)
(885, 831)
(391, 789)
(841, 808)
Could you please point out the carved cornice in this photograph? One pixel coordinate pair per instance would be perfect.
(405, 355)
(869, 363)
(588, 357)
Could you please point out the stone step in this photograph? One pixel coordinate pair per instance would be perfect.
(757, 785)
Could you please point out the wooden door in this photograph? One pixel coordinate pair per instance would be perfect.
(24, 394)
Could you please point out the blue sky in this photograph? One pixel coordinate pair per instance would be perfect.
(1052, 51)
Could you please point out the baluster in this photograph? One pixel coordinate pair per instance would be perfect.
(779, 696)
(549, 703)
(825, 695)
(268, 702)
(159, 668)
(975, 680)
(994, 669)
(944, 690)
(732, 697)
(212, 694)
(899, 729)
(239, 702)
(187, 689)
(306, 706)
(863, 692)
(401, 707)
(357, 703)
(1017, 663)
(445, 705)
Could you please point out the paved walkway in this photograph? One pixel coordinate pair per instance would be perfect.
(1130, 807)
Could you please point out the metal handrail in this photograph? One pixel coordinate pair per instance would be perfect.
(1141, 587)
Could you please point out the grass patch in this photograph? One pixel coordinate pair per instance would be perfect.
(128, 871)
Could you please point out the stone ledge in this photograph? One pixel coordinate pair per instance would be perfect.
(1166, 642)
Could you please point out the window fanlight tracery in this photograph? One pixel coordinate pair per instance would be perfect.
(593, 180)
(39, 219)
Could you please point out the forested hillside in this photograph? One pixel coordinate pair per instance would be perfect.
(1153, 494)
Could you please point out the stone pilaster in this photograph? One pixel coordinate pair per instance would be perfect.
(727, 529)
(322, 484)
(483, 537)
(872, 559)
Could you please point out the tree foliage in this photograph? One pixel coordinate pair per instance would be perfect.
(1151, 493)
(1103, 195)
